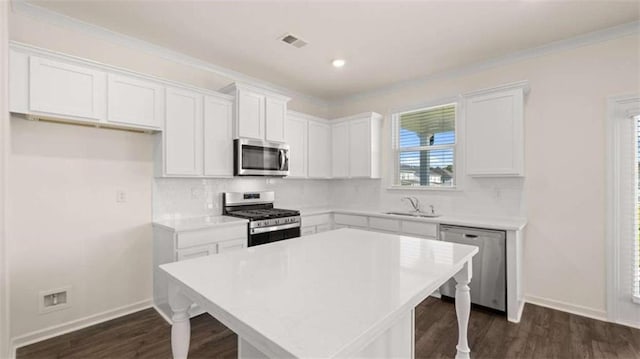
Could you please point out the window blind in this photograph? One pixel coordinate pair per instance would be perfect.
(424, 144)
(635, 246)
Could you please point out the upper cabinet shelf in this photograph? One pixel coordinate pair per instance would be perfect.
(494, 131)
(258, 114)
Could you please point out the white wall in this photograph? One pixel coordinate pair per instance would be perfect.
(67, 228)
(565, 168)
(4, 136)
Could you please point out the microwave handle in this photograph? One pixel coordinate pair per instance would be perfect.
(281, 159)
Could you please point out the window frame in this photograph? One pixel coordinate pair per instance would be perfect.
(623, 305)
(395, 147)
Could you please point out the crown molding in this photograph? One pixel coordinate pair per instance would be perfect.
(557, 46)
(24, 8)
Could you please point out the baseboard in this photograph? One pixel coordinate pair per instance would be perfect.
(568, 307)
(164, 316)
(53, 331)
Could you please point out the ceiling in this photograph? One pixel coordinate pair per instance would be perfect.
(383, 42)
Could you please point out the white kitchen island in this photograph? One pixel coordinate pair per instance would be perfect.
(342, 293)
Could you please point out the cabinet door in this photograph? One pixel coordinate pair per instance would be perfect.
(319, 147)
(296, 138)
(232, 245)
(134, 101)
(66, 90)
(196, 252)
(340, 150)
(494, 134)
(250, 115)
(183, 133)
(360, 148)
(218, 137)
(276, 114)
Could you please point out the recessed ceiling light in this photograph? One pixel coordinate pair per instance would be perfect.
(338, 62)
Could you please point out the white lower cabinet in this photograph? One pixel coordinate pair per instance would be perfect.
(384, 224)
(232, 245)
(171, 246)
(421, 229)
(316, 224)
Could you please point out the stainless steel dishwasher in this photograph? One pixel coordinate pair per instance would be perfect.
(489, 282)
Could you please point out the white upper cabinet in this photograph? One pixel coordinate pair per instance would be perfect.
(183, 135)
(258, 114)
(494, 131)
(319, 150)
(356, 146)
(340, 150)
(275, 112)
(72, 90)
(360, 148)
(63, 89)
(218, 137)
(135, 102)
(250, 114)
(296, 137)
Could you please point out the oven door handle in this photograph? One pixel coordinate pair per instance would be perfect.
(273, 228)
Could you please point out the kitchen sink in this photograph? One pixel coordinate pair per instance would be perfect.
(415, 214)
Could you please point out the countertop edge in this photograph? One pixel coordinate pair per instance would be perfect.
(516, 224)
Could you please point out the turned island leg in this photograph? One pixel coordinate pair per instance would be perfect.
(463, 309)
(181, 328)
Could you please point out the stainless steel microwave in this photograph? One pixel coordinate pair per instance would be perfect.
(260, 158)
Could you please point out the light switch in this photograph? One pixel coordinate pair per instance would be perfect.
(121, 196)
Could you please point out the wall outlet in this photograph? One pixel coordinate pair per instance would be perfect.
(121, 196)
(54, 299)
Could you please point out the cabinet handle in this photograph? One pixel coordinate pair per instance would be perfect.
(470, 236)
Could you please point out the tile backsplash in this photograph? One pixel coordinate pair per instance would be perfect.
(185, 197)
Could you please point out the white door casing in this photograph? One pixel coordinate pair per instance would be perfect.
(621, 211)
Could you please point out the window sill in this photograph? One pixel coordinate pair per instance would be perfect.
(416, 188)
(635, 299)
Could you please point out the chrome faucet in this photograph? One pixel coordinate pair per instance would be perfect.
(415, 203)
(433, 210)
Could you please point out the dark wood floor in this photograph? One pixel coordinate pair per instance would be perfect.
(542, 333)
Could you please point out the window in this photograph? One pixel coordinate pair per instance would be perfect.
(623, 210)
(635, 247)
(424, 147)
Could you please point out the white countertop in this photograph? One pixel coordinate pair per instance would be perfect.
(502, 223)
(187, 224)
(322, 295)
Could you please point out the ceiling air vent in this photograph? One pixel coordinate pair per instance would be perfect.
(293, 40)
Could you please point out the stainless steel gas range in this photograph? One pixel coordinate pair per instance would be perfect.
(266, 223)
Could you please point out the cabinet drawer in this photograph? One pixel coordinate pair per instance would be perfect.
(316, 219)
(195, 238)
(305, 231)
(351, 220)
(420, 229)
(196, 252)
(232, 245)
(384, 224)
